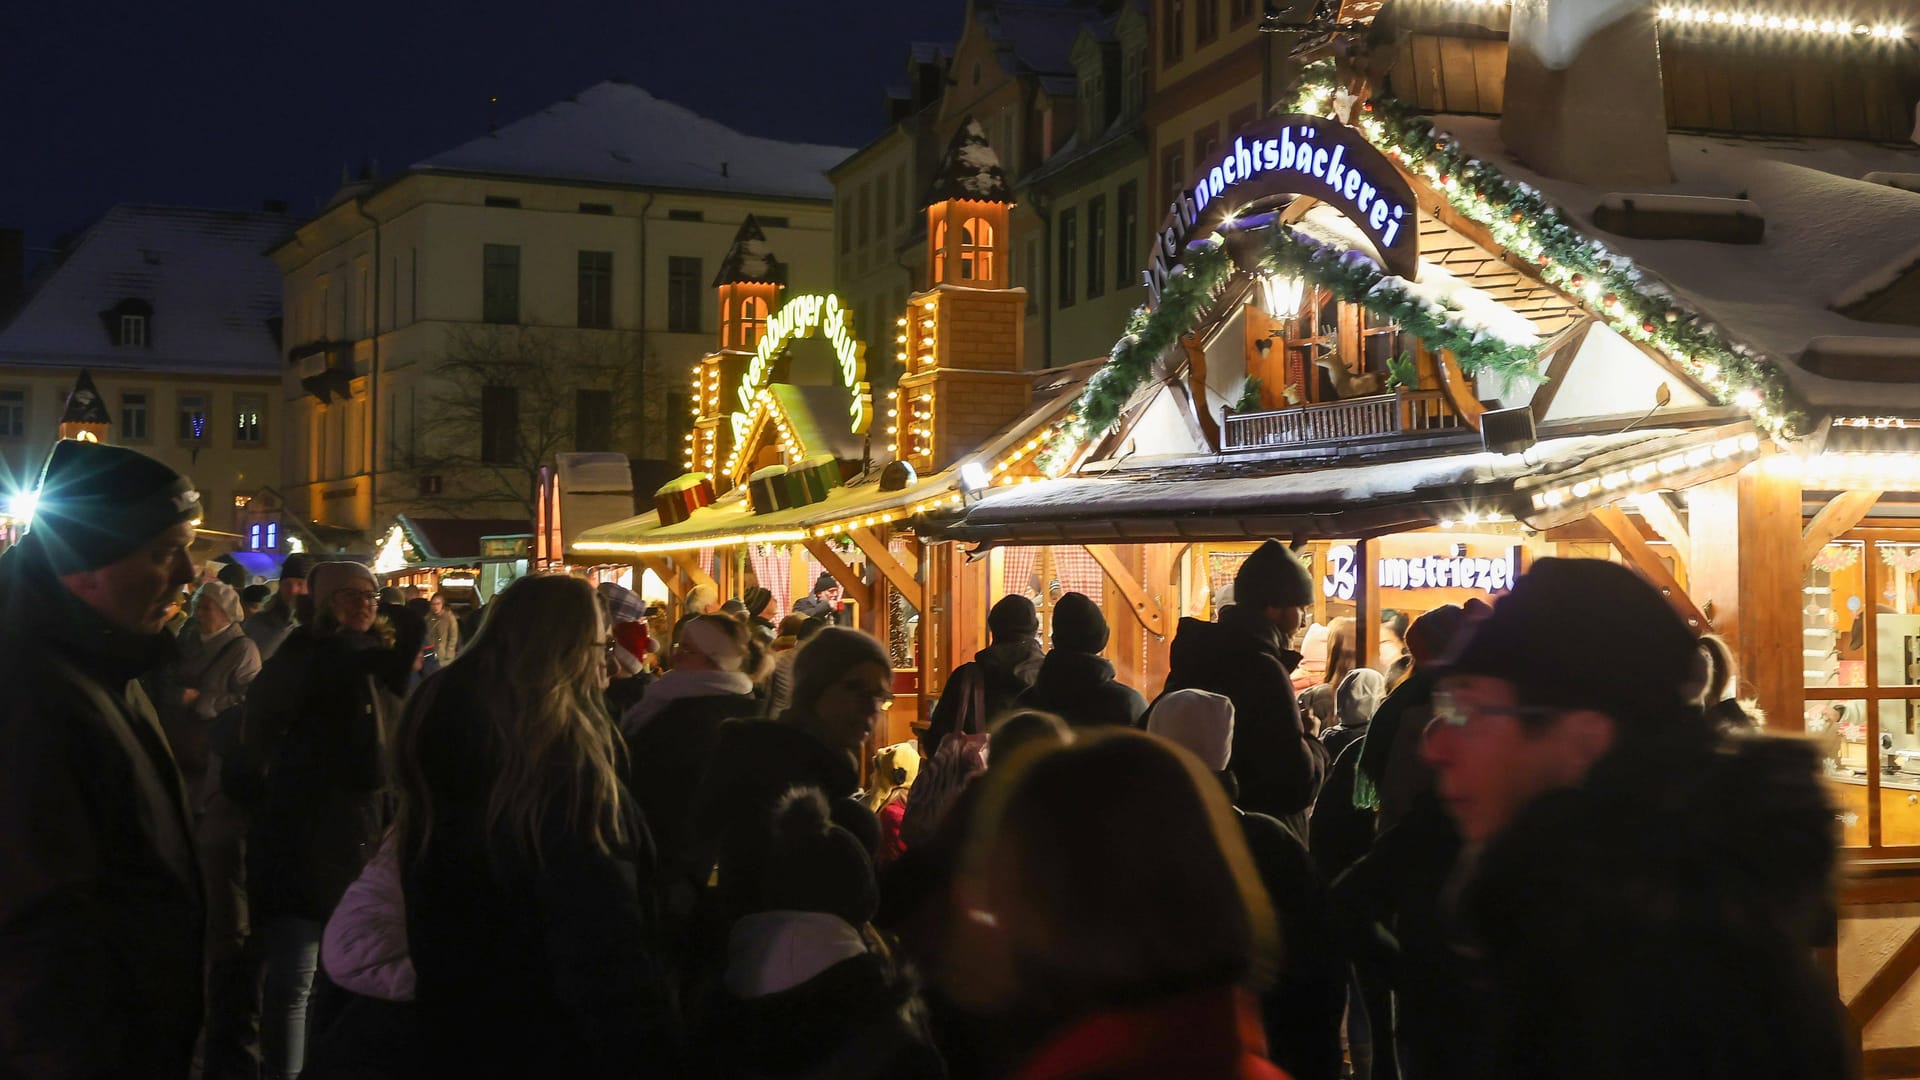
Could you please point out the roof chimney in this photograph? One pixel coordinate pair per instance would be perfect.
(13, 270)
(1583, 97)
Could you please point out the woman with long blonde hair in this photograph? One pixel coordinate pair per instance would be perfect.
(523, 856)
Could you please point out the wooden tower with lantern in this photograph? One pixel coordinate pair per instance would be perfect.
(86, 416)
(962, 340)
(748, 284)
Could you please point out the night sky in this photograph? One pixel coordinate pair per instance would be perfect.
(224, 103)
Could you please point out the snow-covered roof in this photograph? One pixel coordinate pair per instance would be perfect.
(617, 133)
(1832, 237)
(212, 289)
(750, 259)
(969, 169)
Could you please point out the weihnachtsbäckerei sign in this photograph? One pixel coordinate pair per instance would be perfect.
(1294, 155)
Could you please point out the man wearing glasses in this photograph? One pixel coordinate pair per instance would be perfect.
(1642, 893)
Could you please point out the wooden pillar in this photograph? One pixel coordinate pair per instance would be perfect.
(954, 623)
(1366, 603)
(1747, 573)
(1161, 574)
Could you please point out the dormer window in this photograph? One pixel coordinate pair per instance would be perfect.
(129, 323)
(133, 331)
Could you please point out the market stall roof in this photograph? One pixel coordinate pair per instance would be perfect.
(731, 519)
(1551, 483)
(1839, 230)
(457, 541)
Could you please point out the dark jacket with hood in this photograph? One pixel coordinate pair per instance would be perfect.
(319, 717)
(754, 763)
(101, 910)
(1242, 657)
(1660, 919)
(671, 737)
(547, 970)
(1080, 688)
(1008, 668)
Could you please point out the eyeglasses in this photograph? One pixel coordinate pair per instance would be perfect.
(360, 596)
(881, 695)
(1448, 711)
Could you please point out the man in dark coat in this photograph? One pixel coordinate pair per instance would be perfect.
(1247, 656)
(101, 912)
(268, 628)
(1075, 682)
(996, 676)
(1645, 892)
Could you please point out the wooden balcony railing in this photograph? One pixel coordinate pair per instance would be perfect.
(1401, 412)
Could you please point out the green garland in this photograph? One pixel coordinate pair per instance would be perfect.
(1521, 219)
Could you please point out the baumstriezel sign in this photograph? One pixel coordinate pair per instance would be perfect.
(1294, 155)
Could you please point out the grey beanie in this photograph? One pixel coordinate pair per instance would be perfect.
(828, 655)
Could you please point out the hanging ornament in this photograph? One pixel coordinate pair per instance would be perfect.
(1835, 557)
(1517, 217)
(1578, 281)
(1672, 316)
(1610, 300)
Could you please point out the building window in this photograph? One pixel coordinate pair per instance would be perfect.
(13, 414)
(882, 199)
(592, 420)
(1096, 246)
(862, 214)
(1173, 172)
(1136, 78)
(1204, 141)
(753, 321)
(1034, 275)
(905, 203)
(1242, 117)
(1173, 18)
(771, 221)
(1069, 256)
(249, 420)
(499, 425)
(1240, 12)
(683, 294)
(596, 290)
(596, 208)
(976, 250)
(191, 417)
(504, 202)
(500, 284)
(1126, 233)
(686, 215)
(133, 417)
(1206, 21)
(133, 331)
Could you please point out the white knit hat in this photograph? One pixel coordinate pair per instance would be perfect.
(1200, 720)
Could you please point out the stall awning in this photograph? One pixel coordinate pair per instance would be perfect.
(731, 519)
(1554, 482)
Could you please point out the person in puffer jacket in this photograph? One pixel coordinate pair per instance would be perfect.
(807, 990)
(363, 1019)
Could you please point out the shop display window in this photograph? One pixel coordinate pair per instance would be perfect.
(1861, 653)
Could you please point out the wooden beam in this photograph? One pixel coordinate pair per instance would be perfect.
(1458, 388)
(688, 563)
(1658, 512)
(1196, 350)
(1843, 513)
(1628, 541)
(850, 583)
(1145, 607)
(1562, 347)
(1867, 1002)
(881, 559)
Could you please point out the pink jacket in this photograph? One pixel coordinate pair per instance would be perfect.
(364, 947)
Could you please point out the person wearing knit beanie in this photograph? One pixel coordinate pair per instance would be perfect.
(815, 865)
(1013, 616)
(842, 682)
(1075, 681)
(97, 504)
(1248, 655)
(824, 601)
(1199, 720)
(981, 690)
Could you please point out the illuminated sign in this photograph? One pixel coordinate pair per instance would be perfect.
(803, 316)
(1294, 155)
(1468, 572)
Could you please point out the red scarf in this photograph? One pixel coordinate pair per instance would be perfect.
(1211, 1035)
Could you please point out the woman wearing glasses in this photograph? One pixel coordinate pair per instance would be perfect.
(317, 720)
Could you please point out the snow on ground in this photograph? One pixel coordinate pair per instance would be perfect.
(1830, 233)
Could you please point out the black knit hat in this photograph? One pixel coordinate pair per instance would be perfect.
(824, 582)
(815, 865)
(232, 574)
(1013, 617)
(1078, 625)
(1584, 633)
(1272, 577)
(97, 504)
(828, 655)
(756, 600)
(296, 567)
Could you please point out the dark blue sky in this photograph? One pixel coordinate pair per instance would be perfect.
(227, 103)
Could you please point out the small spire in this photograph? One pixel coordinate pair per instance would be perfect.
(749, 259)
(84, 405)
(970, 169)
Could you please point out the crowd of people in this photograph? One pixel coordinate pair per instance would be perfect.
(344, 836)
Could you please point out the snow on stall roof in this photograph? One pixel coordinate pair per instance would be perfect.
(1905, 181)
(206, 273)
(617, 133)
(1469, 306)
(1831, 233)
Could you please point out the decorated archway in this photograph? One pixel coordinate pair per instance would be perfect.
(805, 316)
